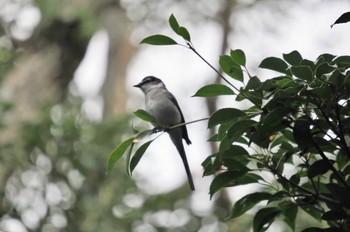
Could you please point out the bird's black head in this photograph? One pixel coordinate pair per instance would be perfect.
(149, 80)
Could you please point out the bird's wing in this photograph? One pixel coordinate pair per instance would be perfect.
(184, 128)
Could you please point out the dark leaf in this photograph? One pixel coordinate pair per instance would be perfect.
(319, 167)
(222, 180)
(247, 202)
(344, 18)
(213, 90)
(173, 23)
(294, 58)
(118, 153)
(275, 64)
(158, 40)
(264, 218)
(138, 155)
(253, 83)
(225, 115)
(302, 72)
(335, 214)
(239, 128)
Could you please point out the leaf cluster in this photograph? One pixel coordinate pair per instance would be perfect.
(298, 118)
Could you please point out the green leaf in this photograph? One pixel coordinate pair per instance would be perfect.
(144, 115)
(302, 72)
(224, 115)
(275, 64)
(222, 180)
(118, 153)
(264, 218)
(239, 128)
(254, 83)
(231, 68)
(158, 40)
(344, 18)
(319, 167)
(128, 158)
(290, 214)
(173, 23)
(238, 57)
(293, 58)
(213, 90)
(247, 202)
(183, 32)
(138, 155)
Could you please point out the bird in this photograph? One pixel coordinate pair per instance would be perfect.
(163, 106)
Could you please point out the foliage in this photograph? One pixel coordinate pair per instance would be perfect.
(296, 129)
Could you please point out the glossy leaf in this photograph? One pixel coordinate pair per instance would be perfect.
(275, 64)
(213, 90)
(158, 40)
(181, 31)
(138, 155)
(144, 115)
(118, 152)
(238, 57)
(224, 115)
(247, 202)
(264, 218)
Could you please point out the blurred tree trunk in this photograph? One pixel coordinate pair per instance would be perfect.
(42, 74)
(120, 53)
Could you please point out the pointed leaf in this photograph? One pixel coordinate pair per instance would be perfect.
(302, 72)
(275, 64)
(118, 153)
(128, 158)
(158, 40)
(173, 23)
(231, 68)
(264, 218)
(138, 155)
(238, 57)
(224, 115)
(144, 115)
(293, 58)
(247, 202)
(344, 18)
(183, 32)
(213, 90)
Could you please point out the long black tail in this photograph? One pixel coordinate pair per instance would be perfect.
(177, 140)
(187, 168)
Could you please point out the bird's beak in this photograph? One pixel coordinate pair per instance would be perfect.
(138, 85)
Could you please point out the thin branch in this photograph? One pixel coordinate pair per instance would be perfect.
(319, 196)
(324, 157)
(211, 66)
(341, 131)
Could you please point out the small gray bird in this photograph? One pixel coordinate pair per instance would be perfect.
(162, 105)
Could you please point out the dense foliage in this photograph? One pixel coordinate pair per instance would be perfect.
(295, 132)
